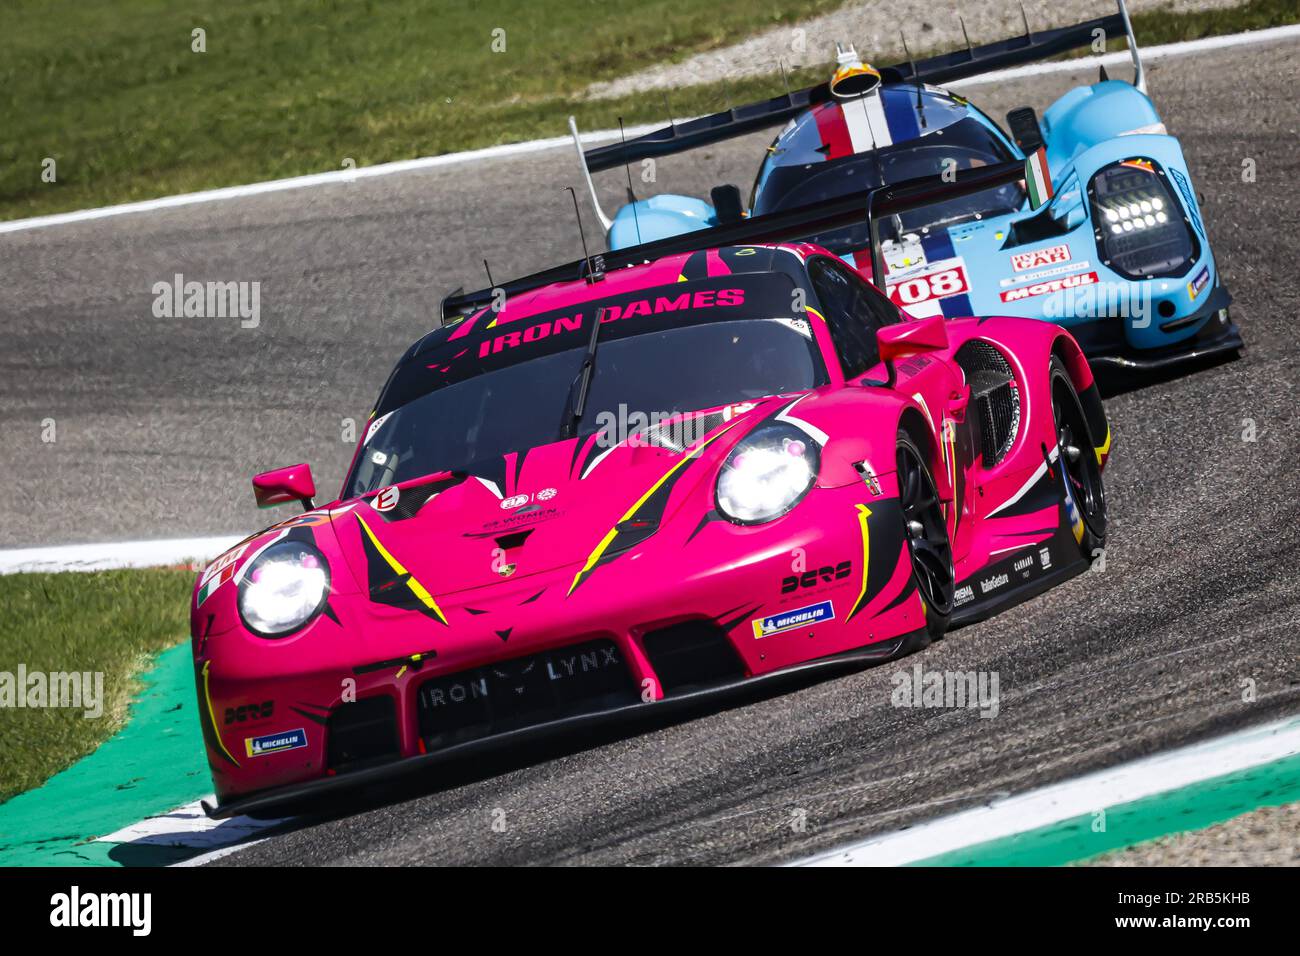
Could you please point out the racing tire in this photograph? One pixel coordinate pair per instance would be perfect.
(1081, 478)
(929, 546)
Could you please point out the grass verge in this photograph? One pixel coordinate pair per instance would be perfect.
(115, 95)
(110, 622)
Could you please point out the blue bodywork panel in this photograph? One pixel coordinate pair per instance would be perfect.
(1114, 169)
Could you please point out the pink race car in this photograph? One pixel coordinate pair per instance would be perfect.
(635, 488)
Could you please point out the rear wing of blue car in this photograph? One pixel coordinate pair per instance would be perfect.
(873, 205)
(1030, 47)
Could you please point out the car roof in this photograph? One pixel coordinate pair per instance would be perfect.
(679, 267)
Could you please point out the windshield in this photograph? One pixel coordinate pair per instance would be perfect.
(967, 143)
(656, 365)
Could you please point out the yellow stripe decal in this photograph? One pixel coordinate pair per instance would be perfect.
(613, 532)
(416, 587)
(863, 514)
(1104, 450)
(212, 715)
(811, 310)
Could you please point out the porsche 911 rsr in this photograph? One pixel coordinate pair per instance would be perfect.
(633, 489)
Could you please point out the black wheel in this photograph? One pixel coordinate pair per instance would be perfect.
(1080, 470)
(927, 536)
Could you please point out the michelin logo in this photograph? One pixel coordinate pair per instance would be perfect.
(274, 743)
(800, 617)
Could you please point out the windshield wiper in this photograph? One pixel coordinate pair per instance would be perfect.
(581, 383)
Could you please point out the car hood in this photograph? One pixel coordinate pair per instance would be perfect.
(537, 510)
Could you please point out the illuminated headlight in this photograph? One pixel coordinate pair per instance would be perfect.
(283, 588)
(1135, 234)
(767, 474)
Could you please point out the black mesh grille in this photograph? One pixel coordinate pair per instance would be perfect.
(523, 691)
(693, 654)
(996, 397)
(361, 733)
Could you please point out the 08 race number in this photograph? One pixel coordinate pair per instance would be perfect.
(933, 285)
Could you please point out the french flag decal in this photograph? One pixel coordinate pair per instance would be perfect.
(1038, 178)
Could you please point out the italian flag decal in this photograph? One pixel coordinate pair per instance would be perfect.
(1038, 178)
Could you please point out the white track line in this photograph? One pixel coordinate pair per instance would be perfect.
(599, 136)
(330, 178)
(117, 554)
(1062, 801)
(190, 828)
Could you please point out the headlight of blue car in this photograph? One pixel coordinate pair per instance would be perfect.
(1141, 230)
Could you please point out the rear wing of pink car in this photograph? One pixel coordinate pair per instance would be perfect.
(791, 225)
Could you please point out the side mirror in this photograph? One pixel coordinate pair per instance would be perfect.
(910, 338)
(283, 485)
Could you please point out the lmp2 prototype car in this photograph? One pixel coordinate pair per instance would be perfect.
(1116, 251)
(634, 488)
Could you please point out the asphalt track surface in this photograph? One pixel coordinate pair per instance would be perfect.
(160, 421)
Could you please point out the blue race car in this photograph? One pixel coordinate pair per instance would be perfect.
(1102, 233)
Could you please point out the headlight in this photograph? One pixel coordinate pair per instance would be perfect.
(767, 473)
(283, 588)
(1141, 230)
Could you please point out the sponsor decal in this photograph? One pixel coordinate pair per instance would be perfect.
(385, 499)
(799, 617)
(275, 743)
(1045, 558)
(1068, 269)
(518, 501)
(1195, 287)
(613, 312)
(1046, 288)
(247, 713)
(219, 572)
(1024, 261)
(945, 278)
(993, 583)
(1189, 200)
(375, 426)
(1023, 564)
(963, 595)
(810, 579)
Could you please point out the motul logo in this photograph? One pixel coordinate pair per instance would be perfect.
(1024, 261)
(1046, 288)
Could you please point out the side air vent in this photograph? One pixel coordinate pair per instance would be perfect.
(692, 654)
(994, 395)
(682, 432)
(361, 733)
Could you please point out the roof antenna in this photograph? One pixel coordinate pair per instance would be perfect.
(491, 284)
(669, 110)
(785, 80)
(592, 274)
(969, 49)
(920, 100)
(631, 196)
(1029, 34)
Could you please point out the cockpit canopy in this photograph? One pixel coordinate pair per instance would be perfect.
(828, 152)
